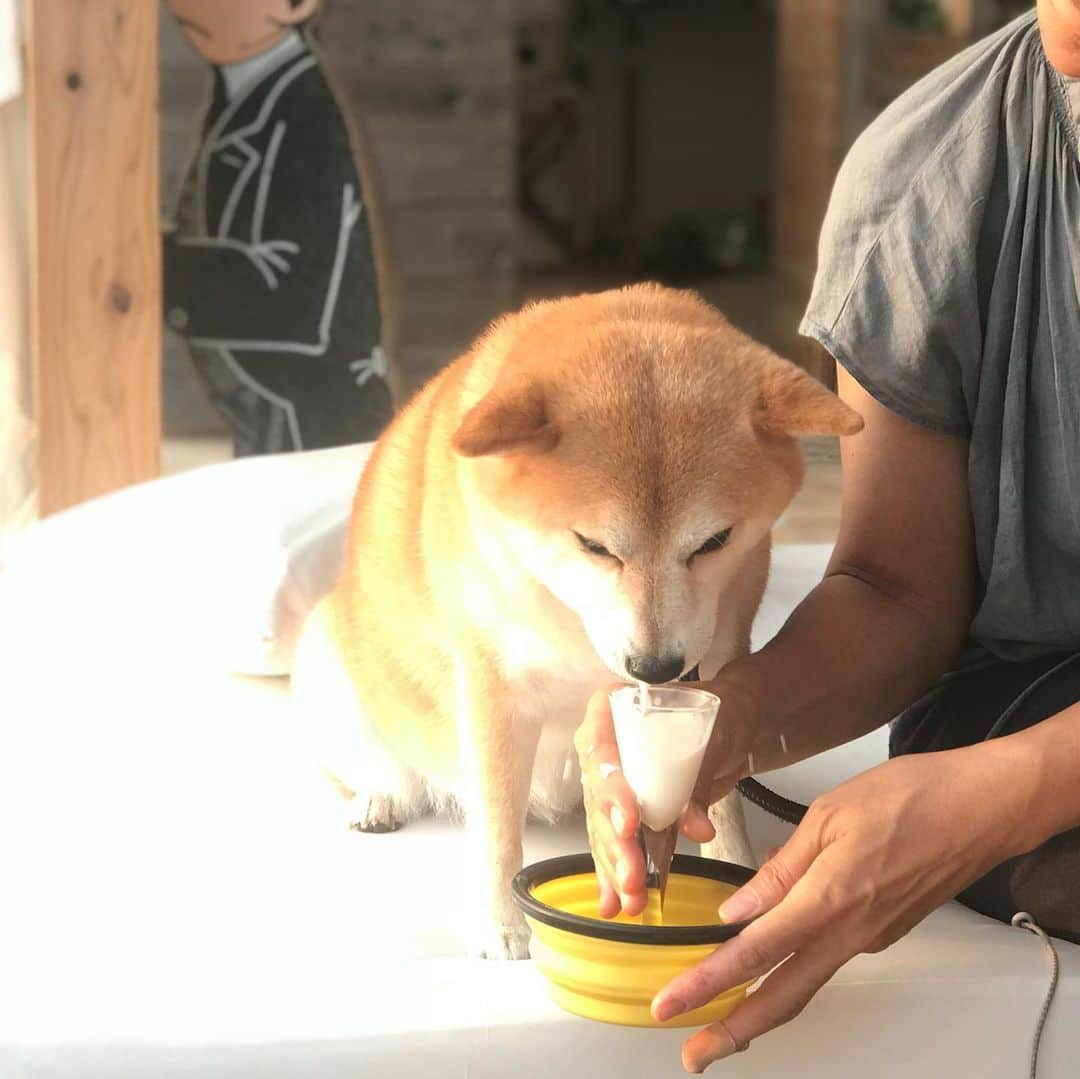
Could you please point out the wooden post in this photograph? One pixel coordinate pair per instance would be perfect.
(95, 245)
(810, 126)
(811, 36)
(968, 19)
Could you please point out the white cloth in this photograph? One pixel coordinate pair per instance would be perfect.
(11, 75)
(224, 562)
(244, 74)
(17, 432)
(178, 900)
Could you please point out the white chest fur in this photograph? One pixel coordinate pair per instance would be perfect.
(551, 683)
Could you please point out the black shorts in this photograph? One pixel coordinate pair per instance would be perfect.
(987, 702)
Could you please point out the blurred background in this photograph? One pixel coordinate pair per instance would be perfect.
(533, 148)
(537, 148)
(524, 149)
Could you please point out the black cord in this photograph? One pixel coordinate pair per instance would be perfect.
(776, 804)
(1023, 920)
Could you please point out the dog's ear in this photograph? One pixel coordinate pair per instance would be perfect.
(511, 419)
(791, 402)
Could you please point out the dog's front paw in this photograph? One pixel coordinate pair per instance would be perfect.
(375, 814)
(504, 942)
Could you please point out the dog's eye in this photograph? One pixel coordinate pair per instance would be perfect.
(592, 546)
(714, 543)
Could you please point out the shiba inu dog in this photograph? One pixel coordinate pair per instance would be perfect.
(587, 493)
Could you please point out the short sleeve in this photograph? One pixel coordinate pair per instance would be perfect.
(896, 298)
(896, 336)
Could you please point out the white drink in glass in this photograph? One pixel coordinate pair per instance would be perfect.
(662, 735)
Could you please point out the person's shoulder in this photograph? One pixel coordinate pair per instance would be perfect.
(913, 177)
(896, 257)
(922, 130)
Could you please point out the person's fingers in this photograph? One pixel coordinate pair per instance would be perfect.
(597, 730)
(605, 876)
(605, 787)
(696, 825)
(700, 800)
(765, 943)
(709, 1044)
(620, 862)
(612, 811)
(613, 799)
(783, 869)
(610, 902)
(781, 997)
(707, 792)
(634, 902)
(725, 758)
(613, 816)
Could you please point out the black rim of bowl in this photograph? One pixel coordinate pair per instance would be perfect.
(571, 865)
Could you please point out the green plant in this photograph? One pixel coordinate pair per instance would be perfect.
(916, 14)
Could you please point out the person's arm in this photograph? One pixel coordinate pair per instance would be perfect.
(1049, 753)
(889, 618)
(874, 856)
(892, 613)
(870, 860)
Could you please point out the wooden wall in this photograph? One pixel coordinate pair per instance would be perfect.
(433, 82)
(95, 248)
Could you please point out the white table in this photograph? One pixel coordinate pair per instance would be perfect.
(178, 899)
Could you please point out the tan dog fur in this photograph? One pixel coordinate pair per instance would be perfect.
(454, 658)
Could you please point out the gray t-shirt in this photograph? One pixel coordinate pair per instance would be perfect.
(949, 286)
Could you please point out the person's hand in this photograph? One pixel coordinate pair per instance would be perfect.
(870, 860)
(612, 811)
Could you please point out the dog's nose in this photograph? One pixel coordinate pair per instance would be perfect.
(654, 669)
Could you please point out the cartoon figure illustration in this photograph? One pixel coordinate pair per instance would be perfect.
(269, 274)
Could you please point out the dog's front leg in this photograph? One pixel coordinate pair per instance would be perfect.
(497, 758)
(732, 842)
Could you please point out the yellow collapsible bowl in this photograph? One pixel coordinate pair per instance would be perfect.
(610, 969)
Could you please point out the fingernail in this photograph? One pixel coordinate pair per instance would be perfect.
(722, 1053)
(744, 904)
(618, 820)
(715, 1052)
(670, 1008)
